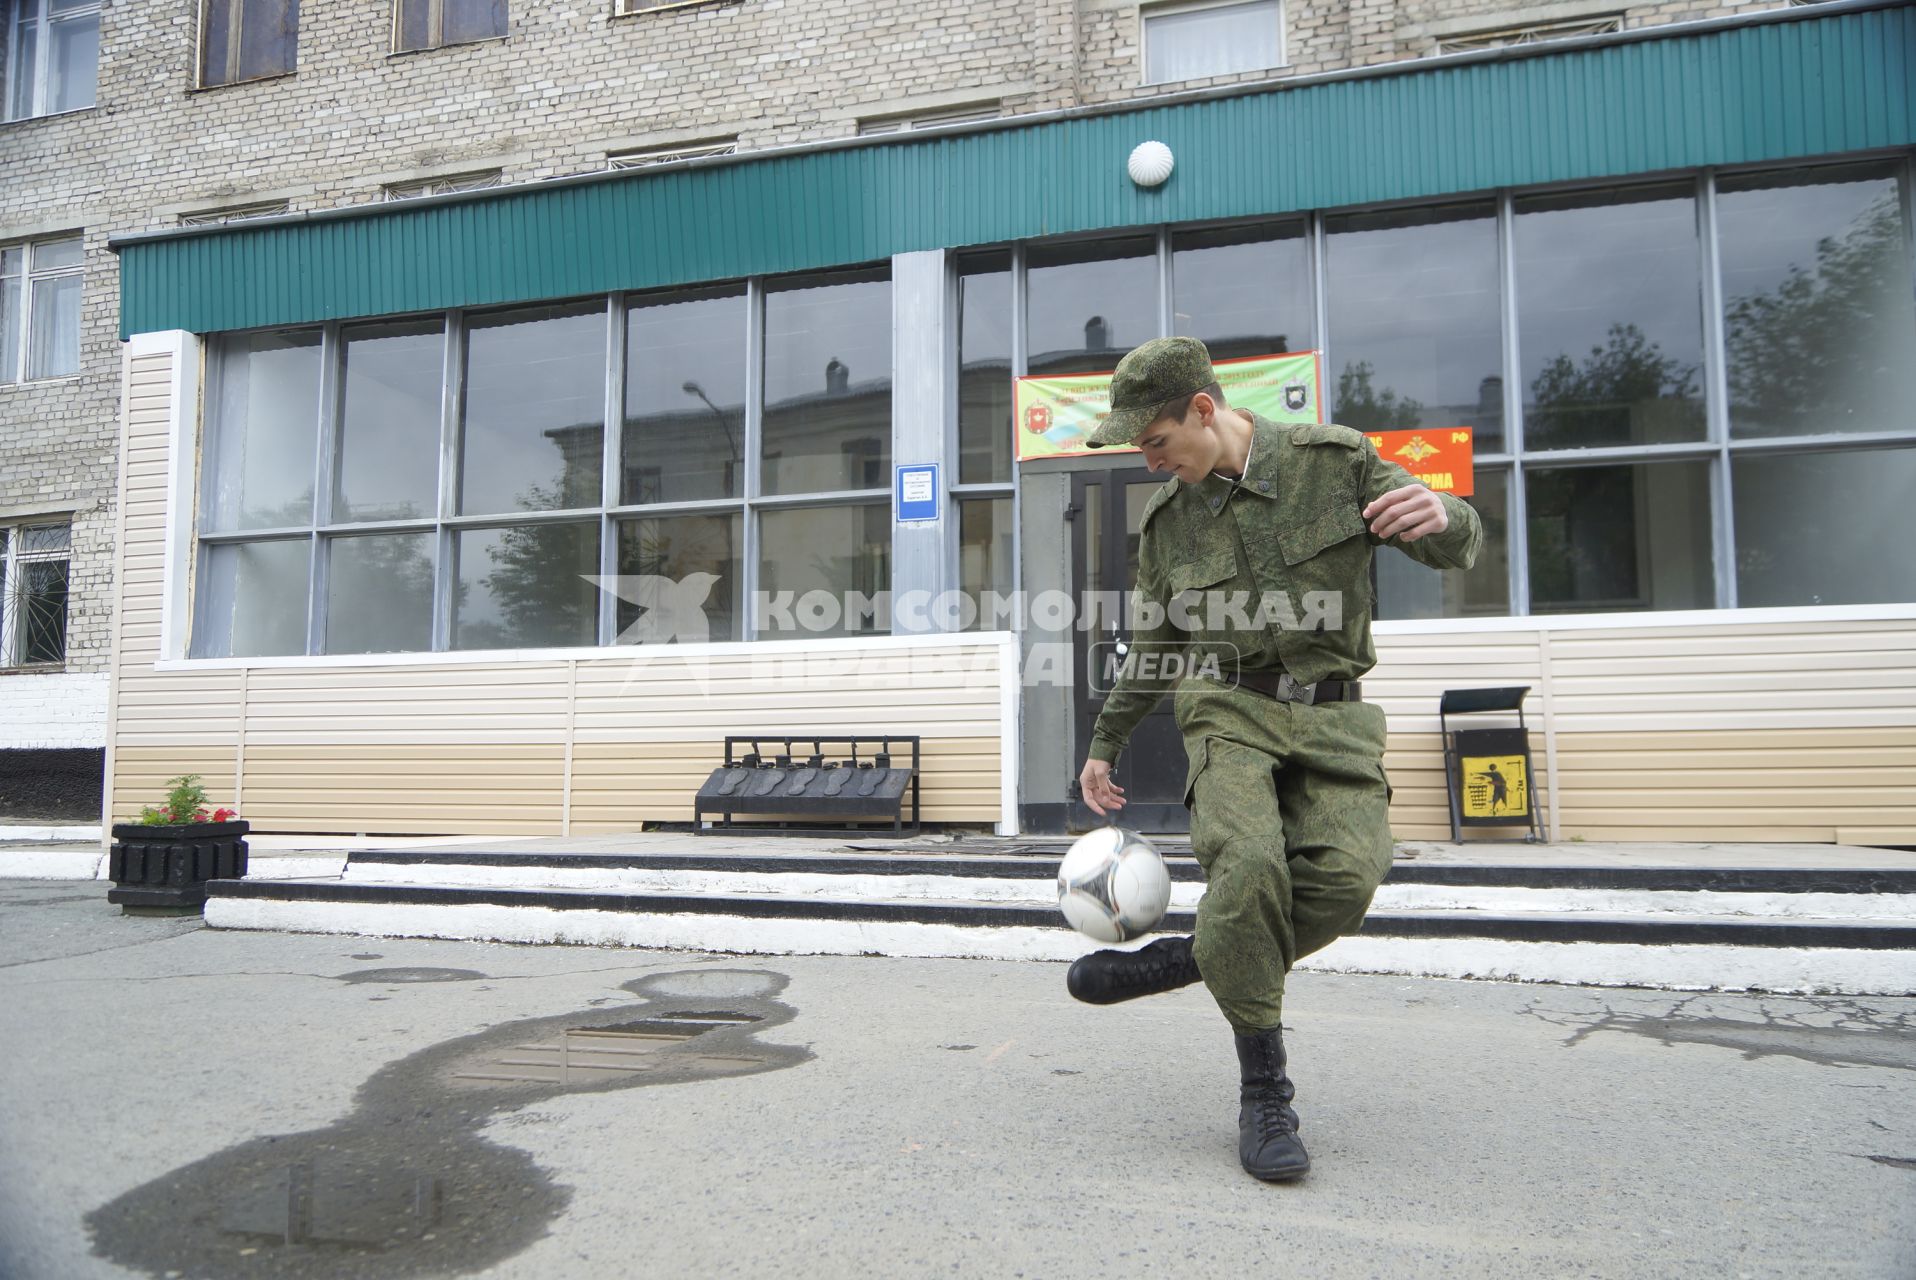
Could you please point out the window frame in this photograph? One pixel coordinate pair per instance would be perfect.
(12, 556)
(14, 365)
(42, 54)
(436, 27)
(445, 184)
(235, 10)
(672, 153)
(1169, 8)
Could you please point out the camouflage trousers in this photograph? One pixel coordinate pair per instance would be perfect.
(1290, 821)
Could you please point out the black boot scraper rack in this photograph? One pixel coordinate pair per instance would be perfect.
(844, 780)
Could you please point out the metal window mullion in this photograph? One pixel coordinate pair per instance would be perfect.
(332, 399)
(1018, 370)
(751, 447)
(9, 588)
(42, 57)
(611, 463)
(1906, 197)
(235, 14)
(1516, 506)
(1716, 403)
(451, 401)
(949, 451)
(1167, 310)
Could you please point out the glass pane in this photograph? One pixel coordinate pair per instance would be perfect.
(1211, 42)
(42, 605)
(690, 585)
(45, 538)
(474, 20)
(984, 370)
(1610, 539)
(269, 37)
(1416, 329)
(1811, 528)
(264, 423)
(1406, 589)
(828, 386)
(684, 399)
(1088, 304)
(1610, 319)
(527, 587)
(389, 427)
(984, 553)
(12, 260)
(54, 350)
(216, 42)
(415, 29)
(534, 435)
(1820, 322)
(73, 62)
(21, 60)
(1243, 291)
(822, 572)
(252, 600)
(379, 594)
(53, 255)
(11, 315)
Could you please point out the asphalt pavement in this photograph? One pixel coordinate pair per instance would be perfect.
(187, 1102)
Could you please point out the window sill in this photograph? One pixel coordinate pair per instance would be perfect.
(35, 383)
(52, 115)
(1230, 77)
(675, 6)
(241, 84)
(34, 669)
(441, 48)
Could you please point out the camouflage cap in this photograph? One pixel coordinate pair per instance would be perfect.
(1150, 377)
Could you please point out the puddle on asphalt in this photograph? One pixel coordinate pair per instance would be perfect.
(413, 973)
(406, 1185)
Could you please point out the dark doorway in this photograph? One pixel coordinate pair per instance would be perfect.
(1106, 507)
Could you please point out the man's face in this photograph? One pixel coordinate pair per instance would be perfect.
(1187, 447)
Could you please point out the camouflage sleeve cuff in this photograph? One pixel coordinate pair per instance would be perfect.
(1105, 749)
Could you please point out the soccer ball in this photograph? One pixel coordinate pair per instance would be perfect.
(1112, 885)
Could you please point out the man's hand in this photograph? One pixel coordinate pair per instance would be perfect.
(1102, 794)
(1410, 513)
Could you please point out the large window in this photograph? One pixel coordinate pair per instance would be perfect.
(247, 40)
(428, 24)
(1194, 41)
(40, 309)
(1243, 291)
(34, 569)
(441, 483)
(52, 55)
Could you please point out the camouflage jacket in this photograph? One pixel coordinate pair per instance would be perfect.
(1289, 543)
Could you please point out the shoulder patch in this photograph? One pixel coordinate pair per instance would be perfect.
(1329, 433)
(1158, 502)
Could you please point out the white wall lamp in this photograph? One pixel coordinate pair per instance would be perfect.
(1150, 164)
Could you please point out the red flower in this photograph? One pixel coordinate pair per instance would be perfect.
(225, 815)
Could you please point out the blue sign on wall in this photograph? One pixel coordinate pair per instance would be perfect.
(915, 492)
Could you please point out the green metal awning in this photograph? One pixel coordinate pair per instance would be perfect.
(1793, 84)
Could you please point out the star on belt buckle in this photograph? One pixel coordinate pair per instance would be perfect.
(1290, 690)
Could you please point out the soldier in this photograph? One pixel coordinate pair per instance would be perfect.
(1288, 798)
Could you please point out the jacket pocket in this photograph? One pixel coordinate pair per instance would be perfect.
(1207, 570)
(1302, 541)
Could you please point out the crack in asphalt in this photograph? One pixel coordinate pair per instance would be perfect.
(1831, 1031)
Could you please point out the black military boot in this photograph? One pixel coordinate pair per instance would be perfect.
(1267, 1142)
(1106, 977)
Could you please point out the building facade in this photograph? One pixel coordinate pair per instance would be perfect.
(488, 318)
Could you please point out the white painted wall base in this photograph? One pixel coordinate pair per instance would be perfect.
(53, 710)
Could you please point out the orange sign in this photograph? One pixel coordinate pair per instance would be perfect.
(1437, 456)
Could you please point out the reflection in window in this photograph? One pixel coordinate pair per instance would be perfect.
(247, 39)
(985, 553)
(1820, 328)
(379, 594)
(1415, 324)
(684, 398)
(1243, 291)
(389, 422)
(984, 369)
(252, 599)
(264, 410)
(1615, 538)
(49, 56)
(35, 568)
(1812, 528)
(843, 554)
(682, 579)
(1089, 303)
(1610, 318)
(828, 351)
(427, 24)
(1406, 589)
(534, 430)
(526, 587)
(40, 291)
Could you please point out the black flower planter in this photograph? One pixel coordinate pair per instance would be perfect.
(164, 870)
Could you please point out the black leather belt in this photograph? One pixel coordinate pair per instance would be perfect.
(1279, 685)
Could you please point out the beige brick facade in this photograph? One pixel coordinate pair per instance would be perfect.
(568, 84)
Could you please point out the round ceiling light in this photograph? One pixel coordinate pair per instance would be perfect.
(1150, 164)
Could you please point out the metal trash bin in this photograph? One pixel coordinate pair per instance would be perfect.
(1488, 772)
(845, 779)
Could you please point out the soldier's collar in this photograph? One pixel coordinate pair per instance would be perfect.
(1261, 468)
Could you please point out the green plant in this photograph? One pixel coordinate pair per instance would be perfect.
(185, 802)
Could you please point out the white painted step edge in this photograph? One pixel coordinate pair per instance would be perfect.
(1700, 968)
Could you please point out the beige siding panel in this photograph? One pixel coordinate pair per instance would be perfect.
(454, 703)
(507, 788)
(140, 774)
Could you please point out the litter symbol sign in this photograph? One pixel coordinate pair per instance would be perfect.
(1496, 787)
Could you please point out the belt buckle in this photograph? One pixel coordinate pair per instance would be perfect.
(1289, 690)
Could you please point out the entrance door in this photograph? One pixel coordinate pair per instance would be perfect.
(1106, 507)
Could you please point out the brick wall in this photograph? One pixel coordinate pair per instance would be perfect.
(567, 85)
(46, 711)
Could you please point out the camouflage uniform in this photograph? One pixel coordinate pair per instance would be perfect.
(1290, 804)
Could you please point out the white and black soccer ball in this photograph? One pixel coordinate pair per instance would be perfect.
(1113, 885)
